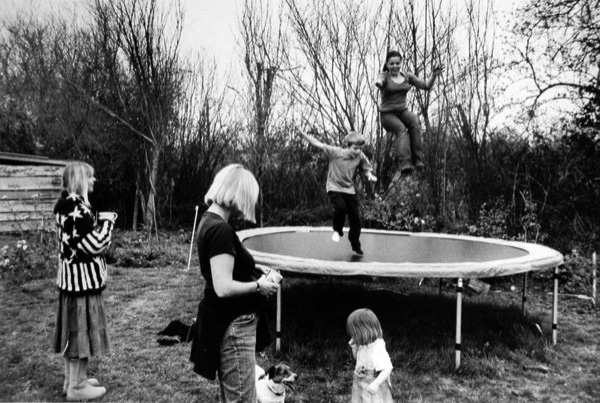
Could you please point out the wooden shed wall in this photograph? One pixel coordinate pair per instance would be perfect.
(27, 196)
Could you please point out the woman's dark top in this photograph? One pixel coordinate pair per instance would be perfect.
(217, 237)
(394, 95)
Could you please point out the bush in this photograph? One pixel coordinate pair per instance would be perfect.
(299, 216)
(139, 249)
(400, 211)
(575, 276)
(491, 222)
(32, 257)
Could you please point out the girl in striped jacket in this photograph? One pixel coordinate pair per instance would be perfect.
(81, 330)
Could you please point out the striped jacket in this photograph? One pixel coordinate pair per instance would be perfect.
(82, 268)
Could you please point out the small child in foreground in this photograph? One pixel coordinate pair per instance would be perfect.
(371, 382)
(343, 163)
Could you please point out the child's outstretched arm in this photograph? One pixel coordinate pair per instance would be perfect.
(313, 140)
(368, 168)
(381, 378)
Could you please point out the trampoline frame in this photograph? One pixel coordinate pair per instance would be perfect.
(539, 257)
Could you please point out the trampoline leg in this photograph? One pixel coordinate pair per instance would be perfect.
(278, 323)
(457, 346)
(555, 308)
(523, 310)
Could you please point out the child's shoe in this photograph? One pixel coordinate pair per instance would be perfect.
(406, 168)
(91, 381)
(335, 237)
(356, 248)
(84, 391)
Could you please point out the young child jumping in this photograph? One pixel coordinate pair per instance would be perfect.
(343, 163)
(373, 365)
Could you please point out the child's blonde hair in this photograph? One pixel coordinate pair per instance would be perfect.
(234, 187)
(364, 327)
(76, 178)
(354, 138)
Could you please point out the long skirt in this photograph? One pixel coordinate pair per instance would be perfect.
(360, 390)
(81, 330)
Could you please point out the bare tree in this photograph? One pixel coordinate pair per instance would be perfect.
(205, 132)
(468, 94)
(264, 49)
(560, 48)
(146, 40)
(341, 44)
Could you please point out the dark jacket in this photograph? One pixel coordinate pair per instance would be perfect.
(216, 237)
(82, 268)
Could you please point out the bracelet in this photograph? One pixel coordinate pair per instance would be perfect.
(257, 287)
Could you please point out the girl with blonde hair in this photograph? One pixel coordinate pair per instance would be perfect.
(81, 327)
(371, 383)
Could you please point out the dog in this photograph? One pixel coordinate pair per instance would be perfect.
(271, 386)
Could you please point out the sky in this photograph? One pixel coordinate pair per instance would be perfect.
(210, 26)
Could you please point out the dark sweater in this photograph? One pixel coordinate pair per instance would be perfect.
(82, 268)
(216, 237)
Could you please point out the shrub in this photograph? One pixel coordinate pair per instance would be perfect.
(32, 257)
(400, 211)
(298, 216)
(139, 249)
(491, 221)
(575, 276)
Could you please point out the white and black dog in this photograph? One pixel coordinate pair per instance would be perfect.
(271, 386)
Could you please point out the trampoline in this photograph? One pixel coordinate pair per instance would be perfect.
(310, 250)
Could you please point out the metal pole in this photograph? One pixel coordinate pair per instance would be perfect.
(594, 268)
(525, 275)
(458, 347)
(555, 308)
(278, 323)
(192, 240)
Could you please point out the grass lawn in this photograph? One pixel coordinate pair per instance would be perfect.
(499, 343)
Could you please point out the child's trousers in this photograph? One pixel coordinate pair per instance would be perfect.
(346, 204)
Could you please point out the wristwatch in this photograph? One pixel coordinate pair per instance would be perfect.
(257, 287)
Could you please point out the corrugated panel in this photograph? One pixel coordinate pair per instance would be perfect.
(10, 171)
(31, 183)
(21, 226)
(27, 196)
(20, 207)
(27, 159)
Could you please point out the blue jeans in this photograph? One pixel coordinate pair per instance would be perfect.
(238, 361)
(408, 142)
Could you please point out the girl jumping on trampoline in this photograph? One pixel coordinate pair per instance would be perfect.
(343, 163)
(394, 85)
(373, 364)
